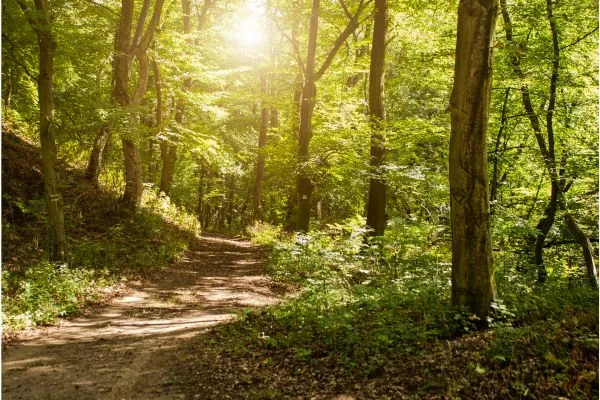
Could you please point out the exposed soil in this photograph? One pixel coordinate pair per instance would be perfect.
(115, 352)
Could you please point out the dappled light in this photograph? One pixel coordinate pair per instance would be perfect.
(172, 306)
(316, 199)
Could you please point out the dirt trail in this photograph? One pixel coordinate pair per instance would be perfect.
(111, 354)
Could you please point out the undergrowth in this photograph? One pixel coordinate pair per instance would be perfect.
(40, 292)
(365, 304)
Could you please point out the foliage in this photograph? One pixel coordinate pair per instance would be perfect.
(264, 233)
(105, 246)
(47, 291)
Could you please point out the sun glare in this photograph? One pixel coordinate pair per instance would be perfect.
(249, 33)
(248, 30)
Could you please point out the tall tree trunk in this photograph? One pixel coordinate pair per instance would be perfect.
(168, 151)
(94, 167)
(291, 217)
(307, 105)
(134, 185)
(127, 50)
(200, 208)
(376, 219)
(230, 200)
(260, 159)
(39, 20)
(472, 267)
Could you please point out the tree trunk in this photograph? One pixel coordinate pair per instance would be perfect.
(274, 118)
(376, 219)
(291, 216)
(262, 142)
(543, 227)
(307, 105)
(586, 247)
(230, 200)
(40, 23)
(134, 185)
(128, 49)
(305, 185)
(168, 157)
(92, 172)
(199, 208)
(168, 152)
(472, 268)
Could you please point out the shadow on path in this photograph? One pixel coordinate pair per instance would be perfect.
(105, 355)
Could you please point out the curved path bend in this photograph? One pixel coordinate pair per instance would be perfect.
(113, 354)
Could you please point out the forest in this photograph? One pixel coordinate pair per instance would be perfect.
(289, 199)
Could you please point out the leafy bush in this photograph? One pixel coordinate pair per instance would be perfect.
(360, 298)
(264, 233)
(152, 238)
(366, 302)
(48, 291)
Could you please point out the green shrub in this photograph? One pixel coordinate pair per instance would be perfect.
(264, 233)
(47, 291)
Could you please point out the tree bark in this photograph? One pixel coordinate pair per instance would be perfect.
(128, 50)
(472, 267)
(307, 105)
(586, 245)
(134, 185)
(39, 20)
(543, 227)
(376, 219)
(94, 167)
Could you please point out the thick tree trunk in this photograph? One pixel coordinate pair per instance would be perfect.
(128, 49)
(134, 184)
(94, 167)
(40, 23)
(260, 158)
(376, 219)
(472, 268)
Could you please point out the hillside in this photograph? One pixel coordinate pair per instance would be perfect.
(106, 245)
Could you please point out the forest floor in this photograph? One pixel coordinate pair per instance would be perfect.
(115, 351)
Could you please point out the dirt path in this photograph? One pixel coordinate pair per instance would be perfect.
(111, 354)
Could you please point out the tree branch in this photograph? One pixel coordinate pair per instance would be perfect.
(15, 59)
(350, 27)
(294, 44)
(110, 10)
(580, 39)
